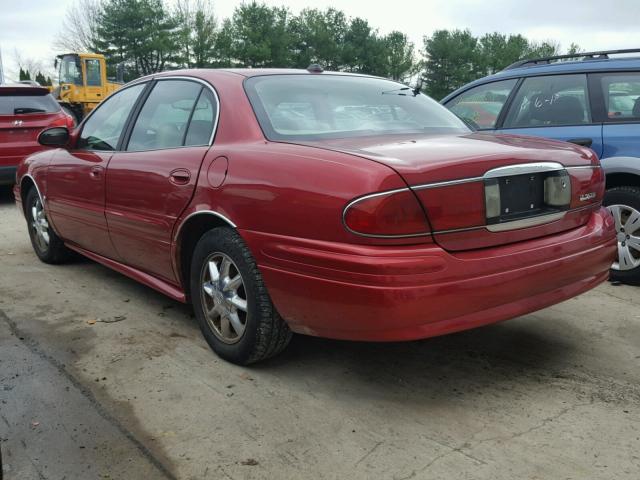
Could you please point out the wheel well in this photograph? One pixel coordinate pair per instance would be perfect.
(190, 232)
(622, 180)
(25, 185)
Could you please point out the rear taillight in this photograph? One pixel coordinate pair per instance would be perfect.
(64, 121)
(387, 214)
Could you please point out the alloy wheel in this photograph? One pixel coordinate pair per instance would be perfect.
(628, 232)
(40, 225)
(224, 298)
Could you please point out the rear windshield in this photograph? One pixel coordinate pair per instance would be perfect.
(23, 104)
(305, 107)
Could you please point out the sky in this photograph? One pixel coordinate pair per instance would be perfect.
(29, 26)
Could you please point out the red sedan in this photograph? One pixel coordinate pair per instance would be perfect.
(25, 111)
(338, 205)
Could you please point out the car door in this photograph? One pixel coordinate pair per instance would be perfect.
(618, 107)
(150, 182)
(554, 106)
(76, 176)
(480, 106)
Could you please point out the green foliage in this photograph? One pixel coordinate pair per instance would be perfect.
(139, 33)
(456, 57)
(24, 75)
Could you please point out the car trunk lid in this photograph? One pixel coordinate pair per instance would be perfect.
(481, 190)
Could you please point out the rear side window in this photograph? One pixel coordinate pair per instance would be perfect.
(23, 104)
(202, 120)
(162, 122)
(480, 106)
(550, 101)
(103, 128)
(621, 95)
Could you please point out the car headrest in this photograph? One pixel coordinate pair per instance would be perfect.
(636, 108)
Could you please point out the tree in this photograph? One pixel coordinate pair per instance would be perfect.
(319, 37)
(41, 79)
(497, 51)
(399, 57)
(256, 36)
(195, 33)
(451, 61)
(24, 75)
(139, 33)
(78, 30)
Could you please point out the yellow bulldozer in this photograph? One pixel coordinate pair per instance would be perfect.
(83, 83)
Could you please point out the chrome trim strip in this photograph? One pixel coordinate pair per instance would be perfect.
(523, 169)
(526, 222)
(37, 188)
(202, 212)
(373, 195)
(584, 167)
(447, 183)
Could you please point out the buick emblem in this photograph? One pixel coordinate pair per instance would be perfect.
(17, 123)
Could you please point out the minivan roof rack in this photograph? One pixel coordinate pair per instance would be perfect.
(584, 56)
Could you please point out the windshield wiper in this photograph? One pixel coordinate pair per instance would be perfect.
(396, 91)
(18, 111)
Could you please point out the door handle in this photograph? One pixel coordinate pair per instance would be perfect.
(583, 142)
(96, 171)
(180, 176)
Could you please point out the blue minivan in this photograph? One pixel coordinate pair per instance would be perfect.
(591, 99)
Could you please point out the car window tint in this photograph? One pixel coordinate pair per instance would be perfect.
(480, 106)
(622, 96)
(103, 128)
(201, 125)
(548, 101)
(24, 104)
(163, 119)
(93, 73)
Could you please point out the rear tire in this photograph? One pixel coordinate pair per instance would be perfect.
(624, 204)
(48, 246)
(231, 303)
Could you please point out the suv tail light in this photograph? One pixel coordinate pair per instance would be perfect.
(393, 214)
(64, 121)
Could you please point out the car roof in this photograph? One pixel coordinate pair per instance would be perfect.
(564, 67)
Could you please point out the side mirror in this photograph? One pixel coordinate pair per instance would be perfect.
(54, 137)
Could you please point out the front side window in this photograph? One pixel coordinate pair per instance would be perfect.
(163, 120)
(92, 68)
(103, 128)
(70, 71)
(480, 106)
(621, 95)
(550, 101)
(305, 107)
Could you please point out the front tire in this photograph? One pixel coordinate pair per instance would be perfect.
(48, 246)
(231, 303)
(624, 205)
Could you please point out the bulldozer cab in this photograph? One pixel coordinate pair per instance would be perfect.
(82, 82)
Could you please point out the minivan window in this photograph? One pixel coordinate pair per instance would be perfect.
(162, 122)
(480, 106)
(103, 128)
(550, 101)
(24, 104)
(314, 107)
(621, 96)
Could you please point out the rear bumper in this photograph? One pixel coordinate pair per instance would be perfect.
(8, 175)
(403, 293)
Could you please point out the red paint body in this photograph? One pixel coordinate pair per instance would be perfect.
(19, 132)
(286, 201)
